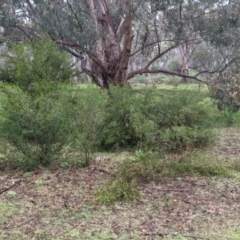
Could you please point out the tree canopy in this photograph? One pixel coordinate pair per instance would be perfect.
(116, 40)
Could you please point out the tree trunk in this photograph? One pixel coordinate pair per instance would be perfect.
(110, 50)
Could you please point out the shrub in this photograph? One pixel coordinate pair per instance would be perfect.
(226, 89)
(117, 190)
(145, 165)
(174, 65)
(34, 121)
(161, 120)
(85, 114)
(196, 164)
(124, 125)
(182, 119)
(31, 65)
(36, 127)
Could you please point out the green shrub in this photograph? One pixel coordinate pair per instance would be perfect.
(182, 118)
(226, 89)
(33, 64)
(124, 124)
(34, 122)
(174, 65)
(117, 190)
(161, 120)
(37, 128)
(85, 114)
(145, 165)
(196, 164)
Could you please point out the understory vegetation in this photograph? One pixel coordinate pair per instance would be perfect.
(43, 117)
(47, 122)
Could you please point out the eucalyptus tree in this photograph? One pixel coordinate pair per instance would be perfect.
(109, 36)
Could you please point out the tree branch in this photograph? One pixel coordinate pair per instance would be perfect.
(31, 6)
(145, 70)
(75, 15)
(22, 29)
(91, 55)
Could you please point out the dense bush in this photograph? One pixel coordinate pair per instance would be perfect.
(31, 65)
(34, 120)
(85, 111)
(181, 117)
(166, 120)
(226, 89)
(36, 128)
(124, 124)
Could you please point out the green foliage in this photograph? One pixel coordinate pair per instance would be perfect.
(117, 190)
(145, 165)
(85, 111)
(124, 124)
(36, 127)
(196, 164)
(31, 65)
(226, 89)
(182, 119)
(174, 65)
(34, 118)
(162, 120)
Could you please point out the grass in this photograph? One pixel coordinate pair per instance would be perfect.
(190, 202)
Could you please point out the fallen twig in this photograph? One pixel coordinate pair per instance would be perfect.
(194, 237)
(155, 234)
(103, 171)
(11, 186)
(174, 190)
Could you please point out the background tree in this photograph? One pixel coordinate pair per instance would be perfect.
(108, 36)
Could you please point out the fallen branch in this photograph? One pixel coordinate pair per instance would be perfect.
(103, 171)
(11, 186)
(174, 190)
(194, 237)
(165, 234)
(156, 234)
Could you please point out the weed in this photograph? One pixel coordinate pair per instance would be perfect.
(7, 211)
(65, 165)
(27, 174)
(11, 193)
(142, 166)
(117, 190)
(38, 182)
(196, 164)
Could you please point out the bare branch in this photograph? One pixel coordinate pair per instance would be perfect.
(22, 29)
(31, 6)
(166, 72)
(91, 55)
(159, 55)
(75, 15)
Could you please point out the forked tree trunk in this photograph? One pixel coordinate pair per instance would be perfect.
(113, 49)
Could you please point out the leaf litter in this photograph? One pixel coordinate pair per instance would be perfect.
(59, 204)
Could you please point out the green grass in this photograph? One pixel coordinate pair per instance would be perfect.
(198, 164)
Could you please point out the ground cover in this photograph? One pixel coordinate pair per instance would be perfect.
(59, 203)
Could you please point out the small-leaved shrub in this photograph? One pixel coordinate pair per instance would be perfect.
(36, 128)
(124, 124)
(160, 120)
(196, 164)
(85, 110)
(34, 123)
(33, 64)
(182, 119)
(144, 165)
(117, 190)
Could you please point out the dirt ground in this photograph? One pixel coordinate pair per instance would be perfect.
(59, 204)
